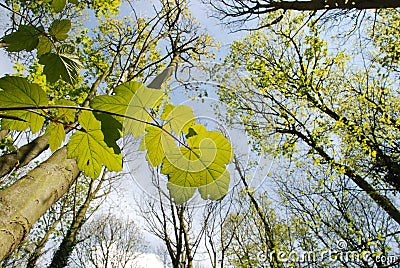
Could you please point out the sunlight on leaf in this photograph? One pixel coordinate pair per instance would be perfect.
(59, 29)
(132, 99)
(200, 165)
(158, 143)
(178, 118)
(18, 92)
(90, 149)
(56, 134)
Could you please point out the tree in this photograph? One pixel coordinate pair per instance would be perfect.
(96, 191)
(96, 121)
(108, 241)
(300, 99)
(336, 217)
(245, 10)
(60, 225)
(172, 223)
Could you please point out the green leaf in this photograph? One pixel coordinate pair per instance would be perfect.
(132, 99)
(18, 92)
(179, 193)
(158, 143)
(212, 182)
(58, 5)
(220, 145)
(59, 29)
(217, 189)
(178, 118)
(143, 99)
(118, 103)
(32, 120)
(200, 165)
(142, 145)
(25, 38)
(63, 65)
(90, 149)
(44, 46)
(56, 134)
(112, 130)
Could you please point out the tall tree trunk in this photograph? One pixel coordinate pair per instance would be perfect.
(64, 251)
(25, 201)
(33, 258)
(60, 258)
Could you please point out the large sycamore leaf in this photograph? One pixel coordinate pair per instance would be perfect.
(179, 193)
(217, 189)
(138, 107)
(25, 38)
(178, 118)
(90, 149)
(61, 66)
(199, 165)
(222, 149)
(131, 99)
(158, 142)
(19, 92)
(26, 119)
(212, 182)
(118, 103)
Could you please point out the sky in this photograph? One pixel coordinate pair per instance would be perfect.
(5, 64)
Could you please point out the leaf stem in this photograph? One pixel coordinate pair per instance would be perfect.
(42, 107)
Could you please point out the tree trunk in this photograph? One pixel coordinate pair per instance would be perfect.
(25, 201)
(23, 156)
(64, 251)
(32, 260)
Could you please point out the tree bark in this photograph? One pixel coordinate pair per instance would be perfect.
(23, 156)
(60, 258)
(25, 201)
